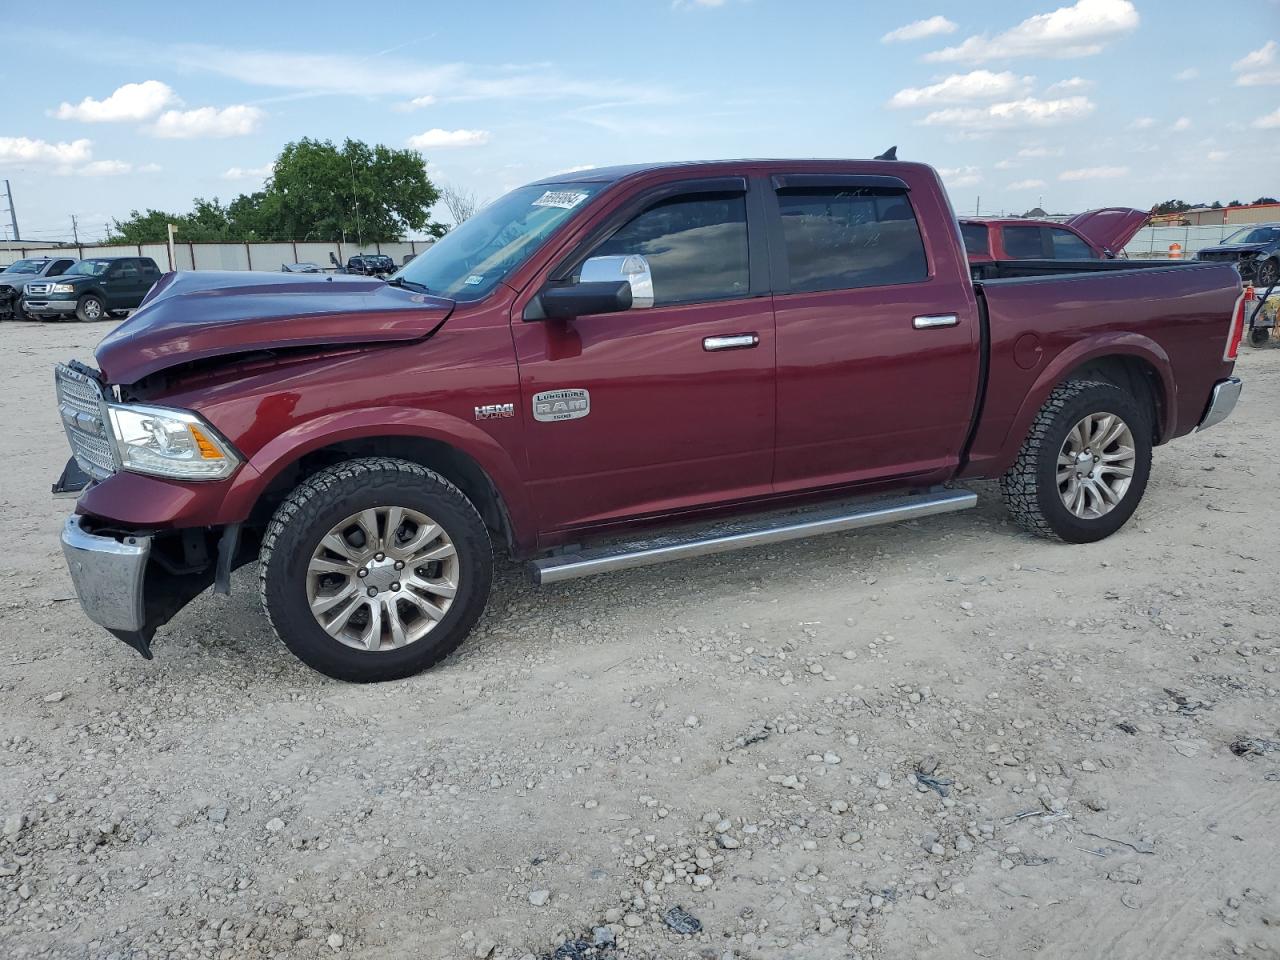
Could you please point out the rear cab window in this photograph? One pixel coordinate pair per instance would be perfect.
(977, 239)
(841, 238)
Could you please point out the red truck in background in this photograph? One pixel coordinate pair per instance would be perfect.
(610, 368)
(1093, 235)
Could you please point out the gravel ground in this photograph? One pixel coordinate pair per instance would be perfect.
(935, 740)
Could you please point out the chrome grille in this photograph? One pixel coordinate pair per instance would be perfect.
(81, 406)
(38, 287)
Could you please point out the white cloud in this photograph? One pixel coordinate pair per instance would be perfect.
(1217, 156)
(62, 154)
(248, 173)
(1027, 112)
(234, 121)
(436, 138)
(417, 103)
(1260, 67)
(1080, 30)
(960, 176)
(1181, 124)
(1007, 164)
(1035, 153)
(1026, 184)
(1188, 74)
(1269, 122)
(1066, 86)
(963, 88)
(918, 29)
(1094, 173)
(1143, 123)
(104, 168)
(131, 102)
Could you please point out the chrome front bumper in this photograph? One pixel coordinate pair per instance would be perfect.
(108, 575)
(1221, 402)
(49, 306)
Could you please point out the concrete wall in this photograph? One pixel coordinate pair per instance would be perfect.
(221, 256)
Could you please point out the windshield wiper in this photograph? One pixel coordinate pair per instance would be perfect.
(404, 284)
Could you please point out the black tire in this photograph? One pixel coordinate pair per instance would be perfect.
(1268, 272)
(325, 499)
(90, 309)
(1259, 335)
(1030, 486)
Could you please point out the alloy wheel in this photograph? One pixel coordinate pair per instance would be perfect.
(1095, 465)
(382, 578)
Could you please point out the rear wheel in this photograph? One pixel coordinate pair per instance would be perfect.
(90, 309)
(1084, 466)
(375, 569)
(1259, 335)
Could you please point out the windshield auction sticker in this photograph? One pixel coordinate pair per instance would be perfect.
(564, 199)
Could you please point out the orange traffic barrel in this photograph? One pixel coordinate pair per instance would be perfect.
(1175, 251)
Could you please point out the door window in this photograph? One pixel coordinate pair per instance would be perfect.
(1068, 246)
(696, 246)
(128, 270)
(838, 238)
(1023, 243)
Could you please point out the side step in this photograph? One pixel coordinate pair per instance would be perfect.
(737, 534)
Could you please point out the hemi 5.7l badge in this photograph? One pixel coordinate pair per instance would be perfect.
(495, 411)
(567, 404)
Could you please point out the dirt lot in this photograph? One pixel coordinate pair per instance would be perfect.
(741, 736)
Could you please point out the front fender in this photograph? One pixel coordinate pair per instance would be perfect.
(289, 447)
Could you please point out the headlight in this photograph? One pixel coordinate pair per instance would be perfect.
(62, 288)
(170, 443)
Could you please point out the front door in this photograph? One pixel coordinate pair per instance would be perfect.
(647, 412)
(121, 285)
(878, 345)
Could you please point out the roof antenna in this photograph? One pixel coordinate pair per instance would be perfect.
(890, 154)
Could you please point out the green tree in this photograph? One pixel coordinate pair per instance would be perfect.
(1266, 200)
(1171, 206)
(317, 191)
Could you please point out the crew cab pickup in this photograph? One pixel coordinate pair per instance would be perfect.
(611, 368)
(1092, 235)
(92, 289)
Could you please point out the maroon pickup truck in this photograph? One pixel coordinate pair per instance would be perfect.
(612, 368)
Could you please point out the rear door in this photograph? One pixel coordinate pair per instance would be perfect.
(659, 413)
(877, 327)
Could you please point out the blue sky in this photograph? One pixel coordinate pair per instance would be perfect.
(1083, 104)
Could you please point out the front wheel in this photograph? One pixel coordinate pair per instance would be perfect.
(1268, 273)
(374, 569)
(90, 309)
(1084, 466)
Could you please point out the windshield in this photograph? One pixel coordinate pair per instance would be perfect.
(88, 268)
(469, 261)
(25, 266)
(1255, 235)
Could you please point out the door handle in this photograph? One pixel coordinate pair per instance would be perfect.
(737, 341)
(935, 320)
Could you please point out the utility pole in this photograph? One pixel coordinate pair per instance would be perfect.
(173, 263)
(977, 207)
(75, 230)
(13, 214)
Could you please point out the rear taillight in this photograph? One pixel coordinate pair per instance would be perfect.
(1238, 320)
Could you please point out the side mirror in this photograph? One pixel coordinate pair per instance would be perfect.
(632, 267)
(583, 299)
(606, 285)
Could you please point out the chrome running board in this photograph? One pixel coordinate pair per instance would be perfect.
(739, 534)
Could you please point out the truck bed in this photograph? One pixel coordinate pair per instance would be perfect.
(1163, 324)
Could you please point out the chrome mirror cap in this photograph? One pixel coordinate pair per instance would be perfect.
(631, 267)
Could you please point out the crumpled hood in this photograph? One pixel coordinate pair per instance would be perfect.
(195, 315)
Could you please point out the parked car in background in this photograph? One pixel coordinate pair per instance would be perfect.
(598, 355)
(92, 289)
(1255, 250)
(16, 275)
(1092, 235)
(371, 265)
(306, 267)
